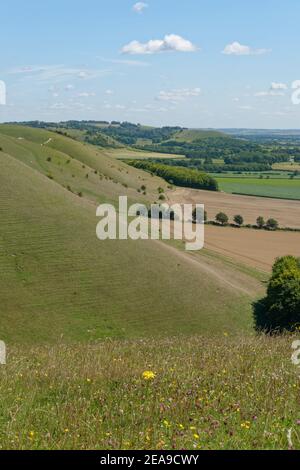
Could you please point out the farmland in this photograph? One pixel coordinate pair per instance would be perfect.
(281, 187)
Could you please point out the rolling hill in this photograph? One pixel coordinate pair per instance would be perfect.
(59, 281)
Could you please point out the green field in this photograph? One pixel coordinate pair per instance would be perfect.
(277, 187)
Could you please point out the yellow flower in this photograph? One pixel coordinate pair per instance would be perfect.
(196, 436)
(66, 430)
(148, 375)
(246, 425)
(88, 380)
(31, 434)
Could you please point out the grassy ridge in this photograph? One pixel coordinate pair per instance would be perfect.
(217, 393)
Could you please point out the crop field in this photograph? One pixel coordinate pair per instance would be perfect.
(287, 212)
(283, 188)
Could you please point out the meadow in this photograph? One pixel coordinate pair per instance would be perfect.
(220, 392)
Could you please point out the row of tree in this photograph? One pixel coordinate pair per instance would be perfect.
(179, 176)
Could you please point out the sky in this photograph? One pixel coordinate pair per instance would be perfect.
(192, 63)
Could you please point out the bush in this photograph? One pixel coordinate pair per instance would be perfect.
(280, 309)
(238, 219)
(222, 218)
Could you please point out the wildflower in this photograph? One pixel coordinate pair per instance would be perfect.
(148, 375)
(31, 434)
(181, 426)
(166, 424)
(66, 430)
(88, 380)
(196, 436)
(245, 425)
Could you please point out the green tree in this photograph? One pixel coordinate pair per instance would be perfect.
(272, 224)
(280, 309)
(260, 222)
(222, 218)
(194, 215)
(239, 220)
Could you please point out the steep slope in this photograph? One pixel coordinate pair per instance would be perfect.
(81, 167)
(58, 280)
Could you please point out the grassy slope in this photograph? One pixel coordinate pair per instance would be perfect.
(190, 135)
(58, 279)
(72, 161)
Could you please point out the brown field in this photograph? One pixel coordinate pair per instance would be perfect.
(287, 212)
(252, 247)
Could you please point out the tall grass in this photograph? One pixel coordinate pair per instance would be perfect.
(207, 393)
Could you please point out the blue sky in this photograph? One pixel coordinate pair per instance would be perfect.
(195, 63)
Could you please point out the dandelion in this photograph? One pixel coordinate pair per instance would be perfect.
(196, 436)
(31, 434)
(148, 375)
(66, 430)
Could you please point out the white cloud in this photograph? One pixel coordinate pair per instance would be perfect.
(171, 42)
(109, 92)
(178, 95)
(139, 7)
(69, 87)
(246, 108)
(85, 94)
(56, 72)
(236, 48)
(268, 93)
(278, 86)
(133, 63)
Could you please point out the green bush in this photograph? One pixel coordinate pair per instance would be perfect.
(280, 309)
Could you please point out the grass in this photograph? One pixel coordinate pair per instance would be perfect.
(220, 392)
(282, 188)
(58, 280)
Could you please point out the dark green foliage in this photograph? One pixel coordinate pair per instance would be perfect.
(238, 219)
(222, 218)
(260, 222)
(179, 176)
(280, 309)
(272, 224)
